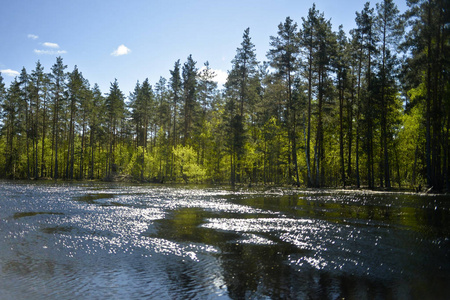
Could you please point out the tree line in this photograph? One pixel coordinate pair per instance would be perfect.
(370, 107)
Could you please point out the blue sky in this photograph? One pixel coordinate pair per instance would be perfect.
(133, 40)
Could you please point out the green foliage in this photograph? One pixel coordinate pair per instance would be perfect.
(322, 111)
(187, 165)
(410, 143)
(139, 164)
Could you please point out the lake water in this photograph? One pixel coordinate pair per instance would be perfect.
(124, 241)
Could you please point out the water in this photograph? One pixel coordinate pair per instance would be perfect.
(123, 241)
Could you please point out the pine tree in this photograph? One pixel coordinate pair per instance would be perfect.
(2, 91)
(135, 115)
(26, 114)
(96, 119)
(37, 80)
(85, 106)
(74, 94)
(365, 39)
(390, 30)
(57, 82)
(162, 102)
(12, 126)
(189, 74)
(115, 109)
(322, 60)
(308, 42)
(144, 106)
(428, 43)
(284, 58)
(163, 126)
(44, 112)
(176, 91)
(207, 90)
(341, 64)
(241, 88)
(234, 134)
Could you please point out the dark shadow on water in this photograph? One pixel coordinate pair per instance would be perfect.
(57, 229)
(101, 199)
(248, 269)
(404, 241)
(413, 212)
(33, 213)
(184, 225)
(91, 198)
(256, 270)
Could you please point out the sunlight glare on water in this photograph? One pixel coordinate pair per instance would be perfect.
(99, 240)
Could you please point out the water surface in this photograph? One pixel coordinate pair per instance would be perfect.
(124, 241)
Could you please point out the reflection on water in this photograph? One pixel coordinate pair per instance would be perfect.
(98, 240)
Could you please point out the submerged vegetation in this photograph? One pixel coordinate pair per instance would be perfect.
(370, 107)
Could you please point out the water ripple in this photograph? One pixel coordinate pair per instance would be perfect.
(92, 240)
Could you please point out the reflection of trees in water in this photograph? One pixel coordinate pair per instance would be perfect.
(251, 270)
(257, 270)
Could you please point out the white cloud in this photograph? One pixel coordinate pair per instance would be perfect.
(121, 50)
(49, 52)
(9, 72)
(33, 36)
(220, 78)
(51, 45)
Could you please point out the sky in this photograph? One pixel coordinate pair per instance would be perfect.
(134, 40)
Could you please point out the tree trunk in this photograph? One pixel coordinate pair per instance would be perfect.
(44, 125)
(341, 129)
(308, 137)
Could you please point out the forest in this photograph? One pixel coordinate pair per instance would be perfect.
(365, 108)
